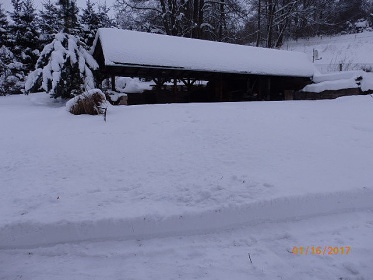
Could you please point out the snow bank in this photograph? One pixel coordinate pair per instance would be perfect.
(132, 85)
(115, 96)
(331, 85)
(217, 256)
(367, 82)
(29, 235)
(139, 49)
(335, 76)
(341, 80)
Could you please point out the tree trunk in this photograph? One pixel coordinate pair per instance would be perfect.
(195, 19)
(259, 23)
(221, 21)
(200, 18)
(164, 17)
(271, 8)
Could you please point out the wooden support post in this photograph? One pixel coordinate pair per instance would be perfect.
(260, 88)
(113, 83)
(268, 88)
(175, 85)
(248, 88)
(219, 87)
(159, 82)
(189, 83)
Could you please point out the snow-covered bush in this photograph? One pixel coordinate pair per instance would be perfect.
(92, 102)
(64, 68)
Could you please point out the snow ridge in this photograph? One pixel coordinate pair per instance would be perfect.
(31, 235)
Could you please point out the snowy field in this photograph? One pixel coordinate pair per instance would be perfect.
(186, 191)
(352, 50)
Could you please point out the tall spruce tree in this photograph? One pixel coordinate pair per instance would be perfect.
(11, 70)
(69, 12)
(24, 36)
(90, 21)
(49, 22)
(4, 27)
(103, 14)
(11, 75)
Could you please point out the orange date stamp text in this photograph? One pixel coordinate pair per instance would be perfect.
(321, 250)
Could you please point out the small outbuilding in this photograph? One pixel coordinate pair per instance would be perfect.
(232, 72)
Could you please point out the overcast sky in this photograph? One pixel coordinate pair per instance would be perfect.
(7, 4)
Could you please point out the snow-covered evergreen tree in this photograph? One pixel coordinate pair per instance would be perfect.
(11, 74)
(103, 14)
(69, 12)
(49, 22)
(24, 36)
(4, 27)
(11, 71)
(90, 21)
(64, 69)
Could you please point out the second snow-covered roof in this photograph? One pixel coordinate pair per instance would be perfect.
(138, 49)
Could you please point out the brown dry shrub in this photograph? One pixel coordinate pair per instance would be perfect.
(92, 102)
(77, 108)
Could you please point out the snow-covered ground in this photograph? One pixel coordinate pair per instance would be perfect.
(186, 191)
(353, 51)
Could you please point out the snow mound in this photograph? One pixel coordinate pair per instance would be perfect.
(132, 85)
(331, 85)
(148, 227)
(341, 80)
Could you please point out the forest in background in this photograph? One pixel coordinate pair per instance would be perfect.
(25, 31)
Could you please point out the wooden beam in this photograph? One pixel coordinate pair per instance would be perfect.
(113, 83)
(189, 83)
(159, 82)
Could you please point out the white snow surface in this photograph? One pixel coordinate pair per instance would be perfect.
(353, 51)
(186, 190)
(341, 80)
(132, 85)
(331, 85)
(132, 48)
(335, 76)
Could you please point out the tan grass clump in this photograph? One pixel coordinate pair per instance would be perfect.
(92, 102)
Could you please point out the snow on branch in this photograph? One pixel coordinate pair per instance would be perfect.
(64, 68)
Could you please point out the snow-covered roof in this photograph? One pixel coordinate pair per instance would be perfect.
(138, 49)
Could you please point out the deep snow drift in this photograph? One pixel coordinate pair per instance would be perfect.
(216, 172)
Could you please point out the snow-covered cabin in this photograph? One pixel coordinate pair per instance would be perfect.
(233, 72)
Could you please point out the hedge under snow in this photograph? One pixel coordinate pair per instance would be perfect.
(64, 68)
